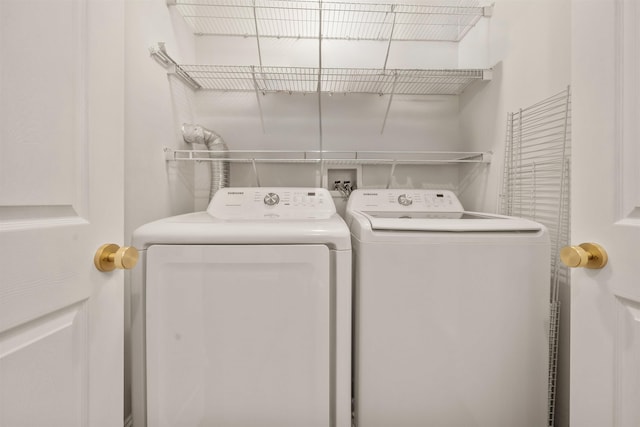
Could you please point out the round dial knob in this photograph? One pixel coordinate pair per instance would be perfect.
(271, 199)
(404, 200)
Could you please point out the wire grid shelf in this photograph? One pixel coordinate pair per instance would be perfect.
(333, 80)
(536, 181)
(305, 19)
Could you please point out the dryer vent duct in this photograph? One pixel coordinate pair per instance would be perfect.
(219, 169)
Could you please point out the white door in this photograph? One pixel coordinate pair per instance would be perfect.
(61, 197)
(605, 304)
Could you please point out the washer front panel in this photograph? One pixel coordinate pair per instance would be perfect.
(238, 335)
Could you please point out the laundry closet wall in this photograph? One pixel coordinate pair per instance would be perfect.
(526, 41)
(530, 49)
(155, 105)
(530, 43)
(349, 122)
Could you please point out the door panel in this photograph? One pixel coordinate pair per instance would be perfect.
(43, 202)
(44, 369)
(61, 197)
(605, 325)
(628, 356)
(43, 105)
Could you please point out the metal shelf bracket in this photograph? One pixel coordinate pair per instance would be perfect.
(159, 53)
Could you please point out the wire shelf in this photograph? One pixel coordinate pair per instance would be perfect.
(331, 157)
(333, 80)
(536, 185)
(306, 19)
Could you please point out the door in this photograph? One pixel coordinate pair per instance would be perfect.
(61, 197)
(605, 304)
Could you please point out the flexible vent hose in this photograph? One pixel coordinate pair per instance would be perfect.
(219, 170)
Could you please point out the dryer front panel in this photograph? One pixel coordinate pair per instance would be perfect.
(238, 335)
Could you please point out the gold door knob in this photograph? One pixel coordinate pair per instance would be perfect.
(588, 255)
(111, 256)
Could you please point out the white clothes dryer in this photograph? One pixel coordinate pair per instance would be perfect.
(242, 314)
(451, 313)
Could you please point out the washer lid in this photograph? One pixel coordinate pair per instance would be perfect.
(425, 210)
(447, 221)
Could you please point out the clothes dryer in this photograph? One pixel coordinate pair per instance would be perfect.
(451, 312)
(242, 314)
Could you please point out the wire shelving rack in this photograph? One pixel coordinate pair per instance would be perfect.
(333, 20)
(536, 185)
(440, 21)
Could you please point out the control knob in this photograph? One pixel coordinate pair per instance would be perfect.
(404, 200)
(271, 199)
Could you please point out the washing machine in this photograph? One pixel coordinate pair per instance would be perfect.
(241, 315)
(451, 313)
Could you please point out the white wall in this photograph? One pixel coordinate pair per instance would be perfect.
(529, 46)
(155, 105)
(530, 43)
(349, 122)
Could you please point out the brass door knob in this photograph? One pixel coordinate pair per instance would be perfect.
(111, 256)
(588, 255)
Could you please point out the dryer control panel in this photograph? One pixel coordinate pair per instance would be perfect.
(271, 203)
(404, 200)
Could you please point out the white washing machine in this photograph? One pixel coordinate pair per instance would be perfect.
(242, 314)
(451, 313)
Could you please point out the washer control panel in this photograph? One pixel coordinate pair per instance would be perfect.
(404, 200)
(271, 203)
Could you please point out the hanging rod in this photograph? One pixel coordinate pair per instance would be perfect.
(331, 157)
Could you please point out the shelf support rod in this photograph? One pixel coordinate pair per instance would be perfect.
(322, 176)
(320, 142)
(393, 91)
(255, 87)
(255, 22)
(393, 26)
(255, 172)
(393, 169)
